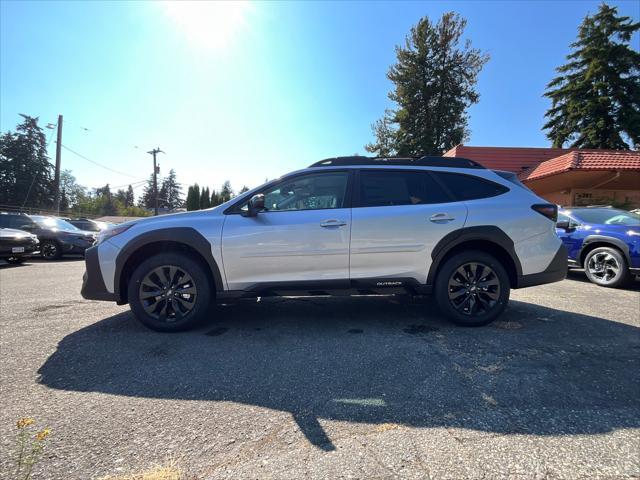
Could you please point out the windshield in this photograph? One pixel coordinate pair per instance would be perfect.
(52, 222)
(607, 216)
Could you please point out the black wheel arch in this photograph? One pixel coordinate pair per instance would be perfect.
(592, 242)
(186, 240)
(487, 238)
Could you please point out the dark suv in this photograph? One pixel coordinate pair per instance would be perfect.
(56, 236)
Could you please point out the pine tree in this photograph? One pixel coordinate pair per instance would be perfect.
(172, 191)
(193, 198)
(243, 189)
(226, 192)
(434, 80)
(128, 201)
(204, 198)
(215, 198)
(595, 101)
(147, 199)
(25, 171)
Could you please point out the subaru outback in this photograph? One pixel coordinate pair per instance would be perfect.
(359, 225)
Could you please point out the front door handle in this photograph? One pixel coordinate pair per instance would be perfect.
(333, 223)
(440, 217)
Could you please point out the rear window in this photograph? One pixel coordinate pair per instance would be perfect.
(467, 187)
(387, 188)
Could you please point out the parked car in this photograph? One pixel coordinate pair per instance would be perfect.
(57, 237)
(603, 241)
(356, 224)
(16, 245)
(88, 225)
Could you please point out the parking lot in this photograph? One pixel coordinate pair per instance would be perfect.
(374, 387)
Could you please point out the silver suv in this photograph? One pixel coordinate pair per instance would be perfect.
(446, 226)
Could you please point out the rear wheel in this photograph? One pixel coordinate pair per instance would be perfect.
(50, 249)
(169, 292)
(607, 267)
(15, 260)
(472, 288)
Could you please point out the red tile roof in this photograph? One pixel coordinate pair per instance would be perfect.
(512, 159)
(584, 160)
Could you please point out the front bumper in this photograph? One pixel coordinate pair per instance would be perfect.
(555, 272)
(75, 245)
(93, 287)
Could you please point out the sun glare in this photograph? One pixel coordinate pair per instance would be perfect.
(211, 24)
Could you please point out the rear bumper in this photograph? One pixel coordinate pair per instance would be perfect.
(93, 287)
(555, 272)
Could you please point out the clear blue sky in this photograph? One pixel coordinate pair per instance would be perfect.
(245, 92)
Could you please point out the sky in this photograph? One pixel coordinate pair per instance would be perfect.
(250, 91)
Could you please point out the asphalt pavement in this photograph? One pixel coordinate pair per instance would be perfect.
(364, 387)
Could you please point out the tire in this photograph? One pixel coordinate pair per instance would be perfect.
(15, 260)
(607, 267)
(464, 302)
(50, 250)
(186, 309)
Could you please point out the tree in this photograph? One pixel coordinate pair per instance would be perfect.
(205, 201)
(129, 198)
(595, 100)
(243, 189)
(105, 203)
(70, 191)
(25, 171)
(434, 84)
(193, 198)
(147, 199)
(215, 198)
(226, 192)
(171, 191)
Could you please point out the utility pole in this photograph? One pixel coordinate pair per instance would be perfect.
(56, 179)
(154, 152)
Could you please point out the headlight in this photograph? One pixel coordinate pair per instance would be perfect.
(112, 232)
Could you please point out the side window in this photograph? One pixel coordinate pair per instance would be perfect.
(380, 188)
(4, 221)
(467, 187)
(308, 192)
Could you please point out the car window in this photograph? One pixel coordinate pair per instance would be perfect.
(563, 218)
(19, 221)
(308, 192)
(608, 216)
(4, 221)
(386, 188)
(467, 187)
(55, 223)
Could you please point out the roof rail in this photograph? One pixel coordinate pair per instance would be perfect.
(453, 162)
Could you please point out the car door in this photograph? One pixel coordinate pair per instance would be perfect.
(300, 239)
(398, 217)
(570, 236)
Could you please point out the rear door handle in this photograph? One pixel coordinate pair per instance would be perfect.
(440, 217)
(333, 223)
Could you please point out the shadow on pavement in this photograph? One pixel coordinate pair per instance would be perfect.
(376, 360)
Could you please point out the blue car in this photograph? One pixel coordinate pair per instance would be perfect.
(604, 241)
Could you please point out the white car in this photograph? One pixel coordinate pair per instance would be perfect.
(446, 226)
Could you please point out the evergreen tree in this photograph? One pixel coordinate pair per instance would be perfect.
(215, 198)
(595, 101)
(243, 189)
(194, 203)
(25, 171)
(226, 192)
(121, 196)
(128, 200)
(172, 191)
(204, 198)
(434, 78)
(147, 199)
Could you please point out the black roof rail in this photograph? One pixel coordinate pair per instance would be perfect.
(453, 162)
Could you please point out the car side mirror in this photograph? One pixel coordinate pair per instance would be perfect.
(566, 225)
(255, 205)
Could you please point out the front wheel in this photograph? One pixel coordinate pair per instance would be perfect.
(607, 267)
(169, 292)
(472, 288)
(50, 250)
(15, 260)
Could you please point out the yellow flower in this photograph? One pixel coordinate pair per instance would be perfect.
(40, 436)
(24, 422)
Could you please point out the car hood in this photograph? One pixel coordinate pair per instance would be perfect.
(12, 233)
(603, 228)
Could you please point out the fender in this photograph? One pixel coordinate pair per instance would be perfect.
(488, 233)
(605, 239)
(185, 235)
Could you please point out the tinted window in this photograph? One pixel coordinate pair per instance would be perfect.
(4, 221)
(308, 192)
(467, 187)
(608, 216)
(18, 221)
(385, 188)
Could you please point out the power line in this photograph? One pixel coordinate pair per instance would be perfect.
(99, 164)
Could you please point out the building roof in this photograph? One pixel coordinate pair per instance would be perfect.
(512, 159)
(583, 160)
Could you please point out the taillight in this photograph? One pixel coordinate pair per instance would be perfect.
(547, 209)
